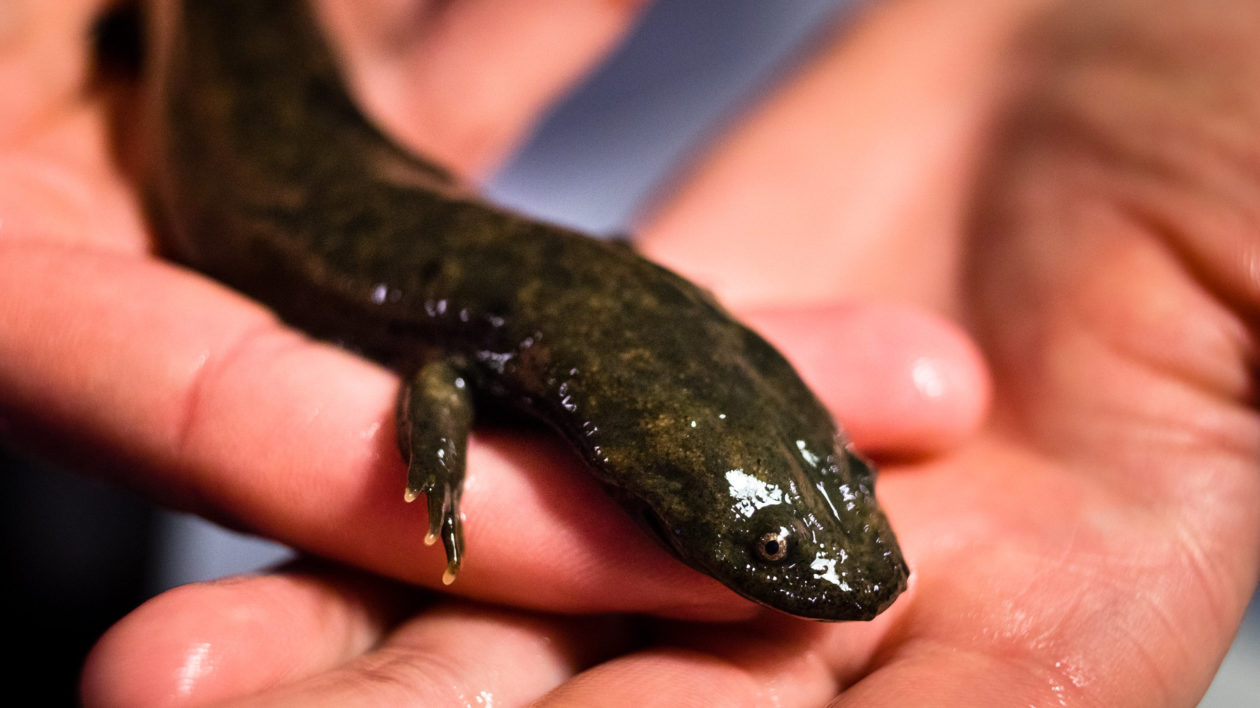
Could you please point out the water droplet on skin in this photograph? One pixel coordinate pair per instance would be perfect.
(198, 662)
(927, 378)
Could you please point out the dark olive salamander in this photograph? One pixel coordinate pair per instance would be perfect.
(266, 176)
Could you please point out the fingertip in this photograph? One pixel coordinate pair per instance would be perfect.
(902, 381)
(462, 82)
(207, 642)
(159, 655)
(937, 391)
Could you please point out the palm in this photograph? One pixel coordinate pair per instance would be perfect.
(1093, 529)
(1095, 526)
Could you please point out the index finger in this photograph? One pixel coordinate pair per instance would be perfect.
(202, 398)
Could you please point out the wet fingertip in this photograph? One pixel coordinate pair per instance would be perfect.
(207, 642)
(902, 381)
(934, 387)
(939, 389)
(160, 654)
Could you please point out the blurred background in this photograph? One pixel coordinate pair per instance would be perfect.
(78, 555)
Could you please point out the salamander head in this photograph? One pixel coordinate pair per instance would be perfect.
(815, 545)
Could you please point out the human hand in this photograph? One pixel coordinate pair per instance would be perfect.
(151, 375)
(1090, 547)
(1077, 182)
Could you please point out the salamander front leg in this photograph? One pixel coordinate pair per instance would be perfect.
(434, 416)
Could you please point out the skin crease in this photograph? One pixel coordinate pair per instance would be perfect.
(1094, 544)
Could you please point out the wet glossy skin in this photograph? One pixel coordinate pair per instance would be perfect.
(267, 177)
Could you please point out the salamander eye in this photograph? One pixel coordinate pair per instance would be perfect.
(772, 547)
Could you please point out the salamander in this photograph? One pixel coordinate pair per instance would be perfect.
(267, 176)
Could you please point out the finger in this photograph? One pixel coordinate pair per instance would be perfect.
(43, 60)
(850, 179)
(209, 642)
(234, 416)
(974, 679)
(903, 383)
(459, 655)
(772, 663)
(327, 637)
(62, 186)
(60, 180)
(462, 82)
(239, 418)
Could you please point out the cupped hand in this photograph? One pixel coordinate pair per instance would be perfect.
(1077, 182)
(1094, 545)
(150, 375)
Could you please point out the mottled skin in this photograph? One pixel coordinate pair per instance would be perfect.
(267, 176)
